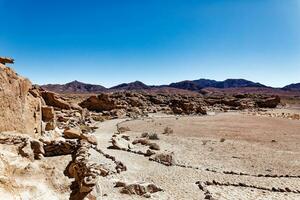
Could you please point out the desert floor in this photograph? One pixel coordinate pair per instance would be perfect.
(232, 155)
(242, 156)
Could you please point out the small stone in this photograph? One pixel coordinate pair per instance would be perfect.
(120, 184)
(72, 133)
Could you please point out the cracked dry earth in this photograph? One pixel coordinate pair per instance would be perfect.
(259, 159)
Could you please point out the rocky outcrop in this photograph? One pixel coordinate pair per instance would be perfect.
(134, 104)
(74, 87)
(187, 106)
(4, 60)
(49, 117)
(20, 109)
(268, 102)
(99, 103)
(242, 101)
(59, 147)
(54, 100)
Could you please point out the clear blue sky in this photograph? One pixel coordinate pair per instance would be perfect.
(155, 41)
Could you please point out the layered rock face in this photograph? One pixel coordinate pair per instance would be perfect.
(20, 110)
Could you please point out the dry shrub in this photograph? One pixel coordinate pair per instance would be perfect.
(145, 135)
(204, 142)
(153, 136)
(168, 131)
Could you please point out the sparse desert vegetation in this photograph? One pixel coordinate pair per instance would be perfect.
(168, 131)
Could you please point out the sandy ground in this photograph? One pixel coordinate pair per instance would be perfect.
(253, 146)
(242, 156)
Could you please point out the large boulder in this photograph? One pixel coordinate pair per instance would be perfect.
(76, 133)
(120, 144)
(54, 100)
(187, 106)
(20, 109)
(49, 117)
(72, 133)
(99, 103)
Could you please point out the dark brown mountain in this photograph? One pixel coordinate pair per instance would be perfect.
(201, 85)
(204, 83)
(74, 87)
(137, 85)
(233, 83)
(292, 87)
(186, 85)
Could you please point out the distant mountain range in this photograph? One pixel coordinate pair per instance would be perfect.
(195, 85)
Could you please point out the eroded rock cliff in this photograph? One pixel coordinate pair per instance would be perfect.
(20, 109)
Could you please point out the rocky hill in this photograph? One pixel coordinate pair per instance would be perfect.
(204, 83)
(74, 87)
(137, 85)
(292, 87)
(77, 87)
(186, 85)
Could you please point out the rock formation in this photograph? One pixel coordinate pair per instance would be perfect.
(140, 103)
(4, 60)
(20, 109)
(102, 102)
(54, 100)
(49, 117)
